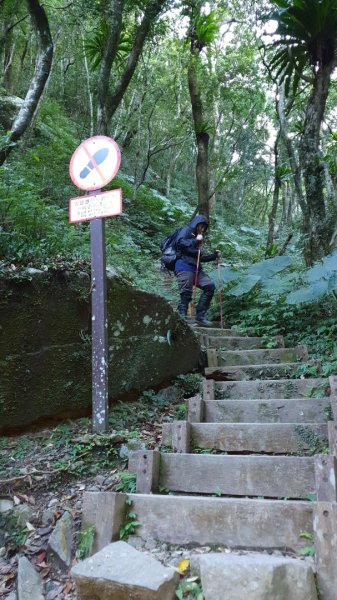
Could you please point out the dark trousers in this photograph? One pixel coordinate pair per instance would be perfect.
(186, 281)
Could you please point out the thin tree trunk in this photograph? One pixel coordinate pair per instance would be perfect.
(8, 61)
(294, 166)
(109, 55)
(289, 219)
(276, 196)
(202, 137)
(43, 64)
(87, 76)
(170, 169)
(109, 102)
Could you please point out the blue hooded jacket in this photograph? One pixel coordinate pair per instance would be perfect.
(188, 246)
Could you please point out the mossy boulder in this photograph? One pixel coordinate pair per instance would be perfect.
(9, 107)
(45, 344)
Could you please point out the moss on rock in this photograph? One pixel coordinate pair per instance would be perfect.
(45, 345)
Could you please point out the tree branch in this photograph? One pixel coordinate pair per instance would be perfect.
(43, 65)
(151, 12)
(9, 28)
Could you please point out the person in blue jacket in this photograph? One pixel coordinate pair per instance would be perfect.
(188, 244)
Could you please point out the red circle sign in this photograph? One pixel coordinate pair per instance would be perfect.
(94, 163)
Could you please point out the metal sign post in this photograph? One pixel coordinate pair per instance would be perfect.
(99, 327)
(94, 164)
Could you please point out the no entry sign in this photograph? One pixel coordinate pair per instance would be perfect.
(94, 163)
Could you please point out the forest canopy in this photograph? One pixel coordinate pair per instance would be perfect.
(226, 109)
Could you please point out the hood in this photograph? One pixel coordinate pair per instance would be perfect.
(197, 220)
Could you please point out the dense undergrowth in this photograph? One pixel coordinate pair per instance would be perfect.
(50, 458)
(34, 231)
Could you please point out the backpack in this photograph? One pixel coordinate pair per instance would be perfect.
(169, 251)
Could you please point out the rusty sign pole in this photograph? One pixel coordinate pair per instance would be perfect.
(99, 327)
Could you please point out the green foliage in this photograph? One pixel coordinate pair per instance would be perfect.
(127, 483)
(16, 536)
(96, 43)
(190, 383)
(308, 550)
(206, 27)
(307, 31)
(86, 540)
(258, 273)
(321, 280)
(130, 523)
(181, 412)
(189, 589)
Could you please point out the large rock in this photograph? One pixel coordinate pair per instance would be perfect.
(45, 350)
(60, 541)
(9, 107)
(29, 582)
(119, 572)
(256, 577)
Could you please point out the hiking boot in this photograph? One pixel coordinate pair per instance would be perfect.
(203, 322)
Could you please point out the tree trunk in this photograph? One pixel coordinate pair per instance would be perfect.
(43, 65)
(311, 164)
(295, 169)
(276, 195)
(109, 55)
(202, 137)
(7, 79)
(90, 99)
(109, 102)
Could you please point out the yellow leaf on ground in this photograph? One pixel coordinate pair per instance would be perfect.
(183, 565)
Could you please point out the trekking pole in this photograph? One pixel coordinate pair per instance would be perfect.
(220, 292)
(195, 283)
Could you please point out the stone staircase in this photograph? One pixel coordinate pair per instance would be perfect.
(253, 467)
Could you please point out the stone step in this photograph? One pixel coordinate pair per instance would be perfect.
(295, 410)
(236, 523)
(260, 371)
(261, 356)
(280, 388)
(255, 576)
(267, 438)
(237, 475)
(239, 343)
(215, 331)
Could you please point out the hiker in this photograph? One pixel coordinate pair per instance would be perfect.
(188, 244)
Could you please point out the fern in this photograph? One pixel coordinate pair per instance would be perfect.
(206, 28)
(95, 44)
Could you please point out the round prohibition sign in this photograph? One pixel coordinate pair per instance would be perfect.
(94, 163)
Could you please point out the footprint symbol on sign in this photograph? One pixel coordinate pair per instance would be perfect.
(98, 157)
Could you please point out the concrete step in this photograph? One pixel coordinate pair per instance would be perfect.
(295, 410)
(237, 475)
(236, 523)
(267, 438)
(239, 343)
(256, 576)
(262, 356)
(260, 371)
(216, 331)
(280, 388)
